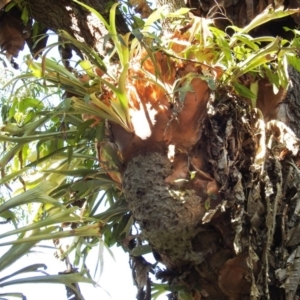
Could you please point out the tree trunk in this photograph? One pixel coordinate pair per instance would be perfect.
(290, 108)
(171, 6)
(238, 12)
(76, 20)
(53, 15)
(243, 242)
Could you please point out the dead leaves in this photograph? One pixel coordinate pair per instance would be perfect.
(109, 159)
(12, 39)
(141, 7)
(290, 275)
(284, 139)
(235, 277)
(267, 100)
(256, 165)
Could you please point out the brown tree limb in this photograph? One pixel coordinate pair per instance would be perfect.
(76, 20)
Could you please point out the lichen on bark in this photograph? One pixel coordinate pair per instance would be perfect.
(168, 216)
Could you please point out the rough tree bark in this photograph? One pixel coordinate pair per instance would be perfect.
(53, 15)
(247, 246)
(76, 20)
(237, 12)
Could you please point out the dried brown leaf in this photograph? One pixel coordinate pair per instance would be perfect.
(11, 35)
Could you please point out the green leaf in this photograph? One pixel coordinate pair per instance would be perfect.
(9, 6)
(243, 91)
(57, 218)
(66, 279)
(70, 155)
(267, 15)
(74, 173)
(15, 252)
(13, 175)
(294, 61)
(155, 16)
(87, 67)
(185, 295)
(247, 40)
(30, 102)
(254, 90)
(90, 53)
(179, 13)
(141, 250)
(37, 194)
(24, 15)
(49, 234)
(158, 289)
(92, 10)
(31, 268)
(282, 72)
(221, 39)
(40, 136)
(16, 295)
(112, 21)
(257, 59)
